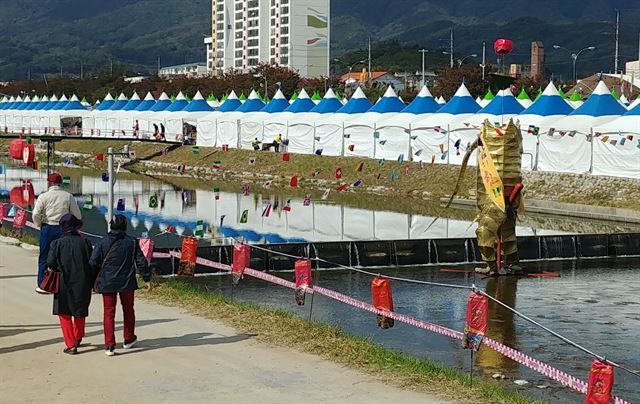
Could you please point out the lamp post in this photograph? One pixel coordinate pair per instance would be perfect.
(574, 57)
(424, 52)
(460, 61)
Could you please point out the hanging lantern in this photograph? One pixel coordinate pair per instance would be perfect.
(241, 260)
(600, 383)
(188, 257)
(303, 279)
(503, 46)
(15, 148)
(382, 300)
(28, 154)
(146, 245)
(23, 196)
(477, 318)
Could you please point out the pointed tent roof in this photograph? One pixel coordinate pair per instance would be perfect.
(440, 100)
(133, 102)
(10, 103)
(33, 104)
(242, 97)
(523, 99)
(504, 103)
(74, 104)
(489, 95)
(43, 103)
(539, 94)
(106, 103)
(424, 103)
(294, 97)
(634, 104)
(146, 104)
(461, 103)
(252, 104)
(316, 98)
(179, 104)
(61, 103)
(357, 104)
(390, 102)
(550, 103)
(575, 96)
(16, 103)
(277, 104)
(52, 103)
(25, 104)
(4, 102)
(600, 103)
(231, 103)
(198, 104)
(614, 93)
(163, 103)
(635, 110)
(303, 103)
(329, 103)
(119, 103)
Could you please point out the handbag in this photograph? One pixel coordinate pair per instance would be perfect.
(95, 283)
(51, 281)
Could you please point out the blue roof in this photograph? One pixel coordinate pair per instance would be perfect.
(461, 103)
(22, 105)
(503, 104)
(252, 104)
(49, 106)
(161, 104)
(357, 104)
(634, 111)
(230, 104)
(600, 103)
(177, 105)
(328, 104)
(132, 104)
(388, 103)
(60, 105)
(104, 105)
(145, 105)
(549, 103)
(41, 105)
(278, 104)
(32, 105)
(118, 104)
(302, 104)
(74, 105)
(198, 104)
(424, 103)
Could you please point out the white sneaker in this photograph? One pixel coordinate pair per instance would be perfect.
(42, 291)
(131, 344)
(110, 351)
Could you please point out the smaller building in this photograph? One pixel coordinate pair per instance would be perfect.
(189, 70)
(375, 78)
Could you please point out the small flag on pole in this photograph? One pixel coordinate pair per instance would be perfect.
(287, 206)
(181, 168)
(245, 216)
(318, 152)
(381, 162)
(266, 211)
(360, 166)
(286, 156)
(441, 148)
(216, 194)
(550, 132)
(444, 155)
(216, 165)
(357, 183)
(120, 206)
(66, 180)
(105, 177)
(351, 147)
(307, 200)
(418, 152)
(401, 158)
(199, 228)
(245, 189)
(195, 149)
(325, 195)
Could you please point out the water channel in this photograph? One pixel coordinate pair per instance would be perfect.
(595, 302)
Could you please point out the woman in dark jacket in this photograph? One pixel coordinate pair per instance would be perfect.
(116, 257)
(69, 255)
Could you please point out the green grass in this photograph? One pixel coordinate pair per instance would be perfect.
(278, 327)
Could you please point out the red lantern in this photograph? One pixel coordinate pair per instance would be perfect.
(600, 383)
(188, 258)
(303, 279)
(241, 260)
(477, 319)
(382, 300)
(23, 196)
(15, 148)
(20, 220)
(28, 154)
(503, 46)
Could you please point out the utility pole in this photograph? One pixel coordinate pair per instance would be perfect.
(111, 61)
(369, 72)
(484, 58)
(81, 70)
(617, 40)
(158, 65)
(424, 52)
(29, 73)
(451, 48)
(110, 189)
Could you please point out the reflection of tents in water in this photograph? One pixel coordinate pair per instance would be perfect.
(501, 325)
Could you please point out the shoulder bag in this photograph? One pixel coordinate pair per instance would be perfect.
(95, 284)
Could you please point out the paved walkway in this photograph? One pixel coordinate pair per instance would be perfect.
(180, 358)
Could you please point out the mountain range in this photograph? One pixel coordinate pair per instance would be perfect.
(47, 36)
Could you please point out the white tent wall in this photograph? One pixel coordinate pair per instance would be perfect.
(564, 153)
(301, 138)
(392, 141)
(466, 137)
(206, 128)
(227, 132)
(173, 125)
(250, 130)
(616, 161)
(358, 224)
(361, 137)
(270, 130)
(529, 149)
(391, 226)
(330, 139)
(331, 223)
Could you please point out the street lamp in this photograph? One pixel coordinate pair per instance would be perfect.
(424, 52)
(574, 57)
(460, 61)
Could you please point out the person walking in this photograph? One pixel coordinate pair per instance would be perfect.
(69, 256)
(116, 257)
(49, 209)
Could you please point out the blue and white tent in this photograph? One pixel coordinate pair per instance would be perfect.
(231, 103)
(198, 104)
(461, 103)
(358, 104)
(424, 103)
(133, 102)
(390, 102)
(252, 104)
(599, 108)
(33, 104)
(329, 104)
(43, 103)
(146, 119)
(119, 103)
(277, 104)
(106, 103)
(179, 104)
(163, 103)
(547, 108)
(25, 104)
(175, 120)
(74, 104)
(4, 102)
(302, 104)
(440, 100)
(146, 104)
(52, 102)
(15, 104)
(60, 104)
(503, 107)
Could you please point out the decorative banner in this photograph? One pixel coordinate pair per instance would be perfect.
(286, 157)
(20, 219)
(433, 161)
(68, 161)
(394, 175)
(325, 195)
(381, 162)
(181, 168)
(338, 173)
(267, 184)
(3, 211)
(316, 138)
(153, 201)
(318, 152)
(105, 177)
(382, 300)
(551, 131)
(382, 142)
(170, 229)
(622, 141)
(357, 183)
(351, 147)
(252, 161)
(477, 319)
(360, 166)
(572, 133)
(267, 210)
(441, 148)
(245, 188)
(294, 181)
(195, 149)
(600, 383)
(605, 139)
(490, 178)
(342, 187)
(216, 165)
(120, 205)
(241, 260)
(216, 194)
(199, 231)
(444, 155)
(146, 245)
(457, 145)
(401, 158)
(302, 271)
(347, 135)
(287, 206)
(188, 258)
(100, 156)
(418, 152)
(244, 217)
(307, 200)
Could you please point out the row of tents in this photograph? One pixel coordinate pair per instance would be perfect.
(600, 135)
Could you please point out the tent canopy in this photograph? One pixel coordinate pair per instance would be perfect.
(119, 103)
(389, 103)
(252, 104)
(163, 103)
(277, 104)
(303, 103)
(424, 103)
(550, 103)
(198, 104)
(460, 103)
(357, 104)
(147, 103)
(600, 103)
(230, 103)
(179, 104)
(329, 103)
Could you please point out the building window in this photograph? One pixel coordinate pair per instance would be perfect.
(284, 60)
(253, 42)
(284, 30)
(284, 40)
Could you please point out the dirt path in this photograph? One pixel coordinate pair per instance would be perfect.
(180, 358)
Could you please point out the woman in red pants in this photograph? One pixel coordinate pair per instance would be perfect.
(117, 256)
(69, 255)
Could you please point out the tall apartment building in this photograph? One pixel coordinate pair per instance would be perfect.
(290, 33)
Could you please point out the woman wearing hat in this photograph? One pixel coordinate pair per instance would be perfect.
(69, 255)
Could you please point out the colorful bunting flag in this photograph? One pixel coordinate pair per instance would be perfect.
(195, 149)
(613, 142)
(572, 133)
(171, 229)
(245, 216)
(153, 201)
(266, 211)
(325, 195)
(347, 135)
(351, 147)
(181, 168)
(622, 141)
(120, 206)
(550, 132)
(294, 181)
(418, 152)
(406, 169)
(216, 194)
(421, 165)
(245, 188)
(433, 161)
(216, 165)
(381, 162)
(316, 138)
(307, 200)
(36, 165)
(100, 156)
(318, 152)
(401, 158)
(287, 206)
(437, 129)
(338, 173)
(342, 187)
(225, 147)
(376, 135)
(382, 142)
(629, 137)
(394, 175)
(444, 155)
(267, 184)
(605, 139)
(414, 137)
(222, 219)
(357, 183)
(199, 231)
(286, 156)
(360, 166)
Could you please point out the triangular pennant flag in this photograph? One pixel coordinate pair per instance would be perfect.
(382, 142)
(418, 152)
(216, 194)
(318, 152)
(351, 147)
(266, 211)
(360, 166)
(394, 175)
(199, 231)
(401, 158)
(325, 195)
(307, 200)
(357, 183)
(243, 218)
